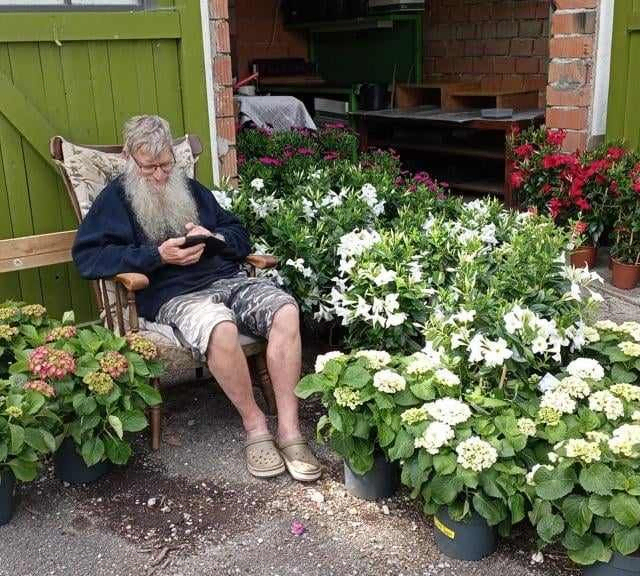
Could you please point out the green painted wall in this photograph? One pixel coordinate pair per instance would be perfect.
(623, 118)
(82, 75)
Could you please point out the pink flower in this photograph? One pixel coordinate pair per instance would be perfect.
(517, 179)
(615, 153)
(331, 155)
(297, 528)
(42, 387)
(61, 333)
(114, 364)
(580, 227)
(304, 151)
(270, 161)
(48, 362)
(524, 150)
(556, 137)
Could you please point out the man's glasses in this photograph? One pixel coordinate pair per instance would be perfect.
(148, 169)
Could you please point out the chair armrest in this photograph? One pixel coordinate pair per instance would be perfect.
(262, 261)
(132, 281)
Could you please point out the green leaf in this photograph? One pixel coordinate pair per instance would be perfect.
(35, 401)
(68, 317)
(16, 435)
(355, 376)
(23, 470)
(575, 510)
(622, 376)
(116, 424)
(594, 551)
(138, 363)
(336, 418)
(311, 384)
(386, 435)
(517, 508)
(444, 489)
(406, 398)
(597, 479)
(403, 447)
(117, 450)
(84, 405)
(554, 484)
(423, 390)
(89, 341)
(492, 510)
(149, 394)
(573, 541)
(627, 540)
(4, 451)
(92, 451)
(133, 420)
(362, 427)
(540, 509)
(599, 505)
(361, 459)
(444, 463)
(550, 527)
(34, 438)
(625, 509)
(605, 525)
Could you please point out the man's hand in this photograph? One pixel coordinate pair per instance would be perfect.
(171, 253)
(193, 230)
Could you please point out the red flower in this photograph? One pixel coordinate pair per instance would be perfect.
(524, 150)
(583, 204)
(556, 137)
(636, 187)
(515, 130)
(555, 160)
(555, 205)
(580, 227)
(615, 153)
(614, 189)
(517, 179)
(546, 189)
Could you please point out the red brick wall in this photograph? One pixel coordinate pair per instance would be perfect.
(572, 51)
(504, 40)
(252, 32)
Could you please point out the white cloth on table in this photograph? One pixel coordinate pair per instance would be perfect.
(280, 113)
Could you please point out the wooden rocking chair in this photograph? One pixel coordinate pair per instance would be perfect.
(116, 299)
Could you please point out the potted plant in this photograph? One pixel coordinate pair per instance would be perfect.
(102, 389)
(26, 421)
(584, 252)
(357, 391)
(625, 254)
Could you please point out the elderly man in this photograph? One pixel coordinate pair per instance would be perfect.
(138, 224)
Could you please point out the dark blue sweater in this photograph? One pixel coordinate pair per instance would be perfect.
(110, 241)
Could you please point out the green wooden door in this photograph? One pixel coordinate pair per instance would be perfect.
(623, 118)
(81, 75)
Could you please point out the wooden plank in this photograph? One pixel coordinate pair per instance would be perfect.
(17, 189)
(168, 89)
(619, 72)
(39, 244)
(73, 26)
(37, 261)
(126, 97)
(108, 132)
(632, 117)
(145, 74)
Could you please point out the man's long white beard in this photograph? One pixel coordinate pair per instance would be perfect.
(162, 212)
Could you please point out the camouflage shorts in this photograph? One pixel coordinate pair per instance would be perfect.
(250, 303)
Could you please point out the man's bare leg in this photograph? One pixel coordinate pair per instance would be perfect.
(228, 364)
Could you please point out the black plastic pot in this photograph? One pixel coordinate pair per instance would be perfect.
(373, 97)
(471, 540)
(70, 467)
(619, 565)
(7, 491)
(381, 481)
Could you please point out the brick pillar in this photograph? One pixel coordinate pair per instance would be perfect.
(222, 86)
(572, 50)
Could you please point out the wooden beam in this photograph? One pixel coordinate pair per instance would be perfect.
(73, 26)
(30, 123)
(35, 251)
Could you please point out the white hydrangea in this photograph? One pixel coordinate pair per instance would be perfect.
(630, 348)
(596, 436)
(532, 473)
(375, 358)
(574, 386)
(446, 377)
(476, 454)
(421, 364)
(322, 359)
(581, 449)
(436, 435)
(636, 415)
(625, 440)
(257, 184)
(591, 334)
(347, 397)
(628, 392)
(558, 400)
(586, 368)
(527, 426)
(389, 381)
(414, 415)
(607, 325)
(604, 401)
(631, 329)
(448, 410)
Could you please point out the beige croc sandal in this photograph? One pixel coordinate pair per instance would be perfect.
(300, 461)
(263, 458)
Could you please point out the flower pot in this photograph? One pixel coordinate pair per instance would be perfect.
(473, 539)
(619, 565)
(7, 491)
(625, 276)
(381, 481)
(584, 256)
(70, 467)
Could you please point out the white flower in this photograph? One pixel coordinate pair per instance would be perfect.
(476, 454)
(591, 334)
(631, 329)
(265, 206)
(308, 209)
(464, 316)
(347, 397)
(223, 199)
(322, 359)
(604, 401)
(448, 410)
(558, 400)
(421, 364)
(627, 392)
(599, 437)
(607, 325)
(527, 426)
(460, 338)
(384, 276)
(586, 368)
(625, 440)
(369, 195)
(488, 234)
(636, 415)
(532, 473)
(356, 243)
(389, 381)
(257, 184)
(586, 451)
(548, 382)
(415, 270)
(496, 352)
(434, 437)
(375, 358)
(476, 352)
(446, 377)
(324, 313)
(414, 415)
(396, 319)
(298, 264)
(574, 386)
(630, 348)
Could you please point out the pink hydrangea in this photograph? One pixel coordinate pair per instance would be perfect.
(114, 364)
(61, 333)
(48, 362)
(142, 346)
(42, 387)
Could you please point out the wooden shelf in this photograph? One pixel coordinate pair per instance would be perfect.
(478, 186)
(363, 23)
(441, 149)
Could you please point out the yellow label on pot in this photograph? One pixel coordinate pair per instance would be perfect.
(444, 529)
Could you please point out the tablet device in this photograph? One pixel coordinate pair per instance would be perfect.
(213, 246)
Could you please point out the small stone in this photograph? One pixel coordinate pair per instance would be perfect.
(537, 558)
(152, 502)
(66, 484)
(315, 495)
(385, 510)
(191, 422)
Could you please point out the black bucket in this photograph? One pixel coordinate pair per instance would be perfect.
(70, 466)
(619, 565)
(373, 97)
(471, 540)
(381, 481)
(7, 492)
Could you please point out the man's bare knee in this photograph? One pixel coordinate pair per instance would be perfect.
(224, 338)
(286, 321)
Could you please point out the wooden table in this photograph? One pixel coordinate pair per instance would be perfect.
(464, 149)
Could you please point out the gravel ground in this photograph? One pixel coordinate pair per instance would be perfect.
(192, 508)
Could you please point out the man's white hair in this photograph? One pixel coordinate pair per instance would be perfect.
(151, 134)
